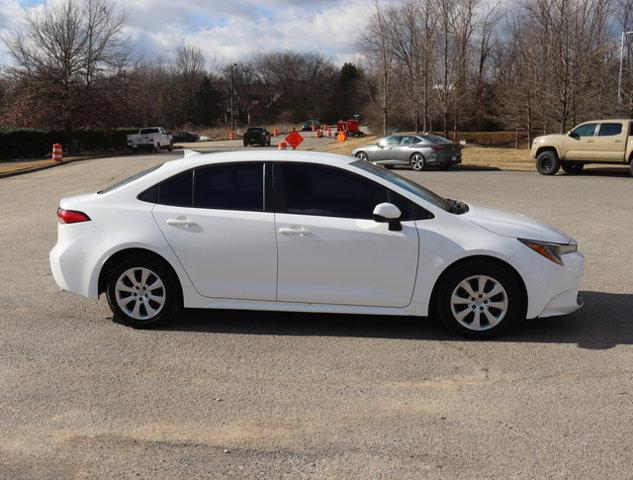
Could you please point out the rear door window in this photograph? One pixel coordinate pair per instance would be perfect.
(609, 129)
(230, 187)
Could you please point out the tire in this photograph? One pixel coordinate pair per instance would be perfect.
(454, 298)
(362, 156)
(268, 143)
(135, 151)
(572, 168)
(417, 161)
(171, 147)
(446, 166)
(631, 166)
(547, 163)
(245, 143)
(126, 279)
(157, 148)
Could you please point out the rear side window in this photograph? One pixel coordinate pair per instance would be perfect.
(610, 129)
(230, 187)
(147, 131)
(305, 189)
(176, 191)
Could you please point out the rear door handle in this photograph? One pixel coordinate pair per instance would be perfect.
(183, 222)
(294, 231)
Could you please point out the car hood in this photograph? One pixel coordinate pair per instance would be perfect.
(514, 225)
(550, 137)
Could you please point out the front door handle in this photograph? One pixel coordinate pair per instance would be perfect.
(294, 231)
(589, 141)
(182, 222)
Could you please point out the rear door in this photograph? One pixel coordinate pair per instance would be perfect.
(579, 144)
(610, 143)
(331, 251)
(404, 151)
(215, 220)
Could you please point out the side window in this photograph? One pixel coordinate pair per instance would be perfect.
(610, 129)
(393, 141)
(306, 189)
(176, 191)
(586, 130)
(230, 187)
(409, 140)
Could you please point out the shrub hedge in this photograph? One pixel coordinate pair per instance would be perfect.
(30, 143)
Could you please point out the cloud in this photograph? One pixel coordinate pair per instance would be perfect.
(229, 31)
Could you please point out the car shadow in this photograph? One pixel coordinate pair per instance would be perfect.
(603, 172)
(605, 321)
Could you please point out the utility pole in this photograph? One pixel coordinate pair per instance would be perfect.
(232, 102)
(624, 34)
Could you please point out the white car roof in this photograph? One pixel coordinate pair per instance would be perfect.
(192, 160)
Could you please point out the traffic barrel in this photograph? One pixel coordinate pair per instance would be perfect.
(231, 135)
(282, 145)
(313, 127)
(276, 132)
(329, 132)
(57, 152)
(319, 133)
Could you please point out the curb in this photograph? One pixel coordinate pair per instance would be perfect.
(57, 164)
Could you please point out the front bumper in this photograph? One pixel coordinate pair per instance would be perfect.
(552, 289)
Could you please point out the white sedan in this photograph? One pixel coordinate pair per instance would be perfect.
(308, 232)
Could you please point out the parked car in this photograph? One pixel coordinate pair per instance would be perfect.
(597, 141)
(307, 125)
(416, 151)
(307, 232)
(152, 138)
(185, 137)
(256, 135)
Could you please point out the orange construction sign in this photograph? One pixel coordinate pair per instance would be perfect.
(293, 139)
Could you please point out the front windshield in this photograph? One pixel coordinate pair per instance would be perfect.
(408, 185)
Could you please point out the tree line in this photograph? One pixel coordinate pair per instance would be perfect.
(530, 66)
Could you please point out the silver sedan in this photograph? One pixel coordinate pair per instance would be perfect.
(417, 150)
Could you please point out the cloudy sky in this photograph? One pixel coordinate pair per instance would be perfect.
(229, 30)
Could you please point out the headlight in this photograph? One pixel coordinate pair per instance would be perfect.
(551, 251)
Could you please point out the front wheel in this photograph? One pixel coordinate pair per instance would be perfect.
(547, 163)
(573, 168)
(143, 293)
(479, 299)
(362, 156)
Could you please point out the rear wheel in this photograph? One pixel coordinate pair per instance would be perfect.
(572, 168)
(631, 166)
(245, 143)
(417, 162)
(479, 299)
(143, 293)
(547, 163)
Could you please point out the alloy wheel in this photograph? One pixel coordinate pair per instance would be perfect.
(418, 162)
(479, 303)
(140, 293)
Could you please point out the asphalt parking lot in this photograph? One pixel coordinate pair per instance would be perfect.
(268, 395)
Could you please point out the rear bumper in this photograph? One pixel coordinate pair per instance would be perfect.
(443, 159)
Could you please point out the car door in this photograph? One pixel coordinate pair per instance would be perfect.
(215, 221)
(331, 251)
(610, 142)
(404, 150)
(386, 151)
(579, 144)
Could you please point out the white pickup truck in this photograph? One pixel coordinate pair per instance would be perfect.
(151, 138)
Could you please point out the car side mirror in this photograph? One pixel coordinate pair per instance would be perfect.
(388, 213)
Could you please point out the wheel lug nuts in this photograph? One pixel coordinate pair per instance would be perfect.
(485, 301)
(481, 308)
(472, 299)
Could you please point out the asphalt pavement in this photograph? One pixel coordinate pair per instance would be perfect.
(267, 395)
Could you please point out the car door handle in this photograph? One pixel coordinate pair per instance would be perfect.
(185, 222)
(295, 231)
(589, 141)
(618, 141)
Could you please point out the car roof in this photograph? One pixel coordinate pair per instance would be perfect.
(270, 155)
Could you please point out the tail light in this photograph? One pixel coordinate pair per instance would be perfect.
(71, 216)
(435, 148)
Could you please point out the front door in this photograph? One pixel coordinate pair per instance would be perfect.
(610, 142)
(219, 230)
(579, 144)
(331, 251)
(387, 150)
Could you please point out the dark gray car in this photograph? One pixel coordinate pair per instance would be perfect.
(416, 150)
